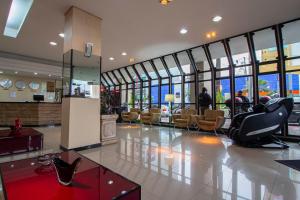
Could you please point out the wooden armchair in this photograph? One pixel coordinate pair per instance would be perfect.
(183, 120)
(151, 117)
(130, 116)
(212, 120)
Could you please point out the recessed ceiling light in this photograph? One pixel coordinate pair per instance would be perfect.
(211, 34)
(131, 60)
(35, 73)
(62, 35)
(124, 54)
(53, 43)
(49, 75)
(217, 18)
(16, 17)
(165, 2)
(111, 58)
(183, 31)
(16, 72)
(1, 72)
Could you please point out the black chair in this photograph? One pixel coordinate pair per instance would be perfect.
(256, 129)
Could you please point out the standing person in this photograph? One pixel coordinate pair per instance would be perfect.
(204, 100)
(245, 101)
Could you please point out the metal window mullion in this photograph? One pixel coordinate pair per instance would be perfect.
(129, 75)
(145, 71)
(155, 69)
(165, 66)
(255, 66)
(178, 63)
(126, 82)
(113, 73)
(231, 75)
(213, 75)
(105, 81)
(193, 63)
(136, 72)
(110, 79)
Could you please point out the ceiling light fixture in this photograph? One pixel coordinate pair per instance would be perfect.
(1, 72)
(16, 72)
(124, 54)
(62, 35)
(35, 73)
(211, 35)
(165, 2)
(16, 17)
(183, 31)
(217, 18)
(131, 60)
(49, 75)
(53, 43)
(111, 58)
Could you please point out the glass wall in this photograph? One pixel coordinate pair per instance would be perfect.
(248, 69)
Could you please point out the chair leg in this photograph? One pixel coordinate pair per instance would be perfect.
(215, 132)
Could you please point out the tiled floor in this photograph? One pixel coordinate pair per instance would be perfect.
(173, 164)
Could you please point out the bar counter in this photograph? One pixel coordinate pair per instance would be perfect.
(30, 113)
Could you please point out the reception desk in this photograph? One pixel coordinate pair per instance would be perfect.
(30, 113)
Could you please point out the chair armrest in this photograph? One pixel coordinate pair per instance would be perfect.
(220, 122)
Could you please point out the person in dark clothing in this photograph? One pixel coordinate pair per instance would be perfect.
(246, 103)
(204, 100)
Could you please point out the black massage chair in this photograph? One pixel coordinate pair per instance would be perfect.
(256, 128)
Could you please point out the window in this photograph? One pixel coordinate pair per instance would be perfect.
(119, 77)
(165, 110)
(223, 96)
(189, 93)
(112, 77)
(125, 74)
(291, 39)
(218, 55)
(200, 59)
(150, 70)
(141, 72)
(240, 51)
(133, 74)
(160, 68)
(171, 64)
(185, 62)
(268, 85)
(107, 79)
(265, 45)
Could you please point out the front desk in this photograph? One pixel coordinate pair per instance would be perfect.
(30, 113)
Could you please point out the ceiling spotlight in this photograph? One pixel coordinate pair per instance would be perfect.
(62, 35)
(53, 43)
(124, 54)
(111, 58)
(35, 73)
(183, 31)
(165, 2)
(16, 72)
(211, 34)
(1, 72)
(217, 18)
(49, 75)
(131, 60)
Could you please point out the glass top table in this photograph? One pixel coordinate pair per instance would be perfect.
(27, 179)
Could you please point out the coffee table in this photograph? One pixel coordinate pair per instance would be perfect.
(25, 139)
(28, 180)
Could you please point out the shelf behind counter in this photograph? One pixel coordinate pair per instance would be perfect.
(30, 113)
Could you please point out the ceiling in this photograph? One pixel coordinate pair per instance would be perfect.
(143, 28)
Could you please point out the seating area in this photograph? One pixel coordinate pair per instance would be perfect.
(149, 100)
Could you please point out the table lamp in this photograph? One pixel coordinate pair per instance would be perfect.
(169, 98)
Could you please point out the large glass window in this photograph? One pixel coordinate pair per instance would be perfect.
(107, 79)
(293, 91)
(243, 90)
(171, 64)
(133, 74)
(113, 78)
(268, 85)
(154, 94)
(145, 98)
(165, 110)
(240, 51)
(189, 93)
(265, 45)
(150, 70)
(223, 96)
(160, 68)
(185, 62)
(177, 92)
(218, 55)
(125, 74)
(119, 77)
(200, 59)
(137, 95)
(141, 72)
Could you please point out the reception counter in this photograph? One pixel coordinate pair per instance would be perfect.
(30, 113)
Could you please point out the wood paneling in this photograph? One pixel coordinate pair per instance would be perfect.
(30, 113)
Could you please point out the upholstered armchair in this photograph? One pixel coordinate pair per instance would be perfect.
(151, 117)
(212, 120)
(130, 116)
(183, 120)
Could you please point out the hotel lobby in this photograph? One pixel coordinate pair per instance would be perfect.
(151, 100)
